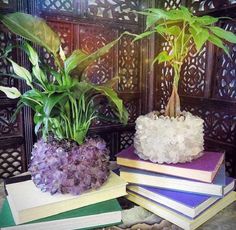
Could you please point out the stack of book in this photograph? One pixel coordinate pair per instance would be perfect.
(26, 207)
(186, 194)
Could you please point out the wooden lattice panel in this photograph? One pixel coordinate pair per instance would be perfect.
(206, 5)
(6, 39)
(133, 108)
(225, 75)
(92, 37)
(10, 161)
(7, 4)
(172, 4)
(193, 74)
(219, 120)
(9, 128)
(128, 64)
(126, 139)
(67, 6)
(121, 10)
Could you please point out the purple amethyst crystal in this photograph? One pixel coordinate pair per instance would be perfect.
(66, 167)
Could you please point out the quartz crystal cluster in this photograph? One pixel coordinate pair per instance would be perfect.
(163, 139)
(66, 167)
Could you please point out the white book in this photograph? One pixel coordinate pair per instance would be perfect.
(27, 202)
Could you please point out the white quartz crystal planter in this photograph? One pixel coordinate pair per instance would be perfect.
(169, 140)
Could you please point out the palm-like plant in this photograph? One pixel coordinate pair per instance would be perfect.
(64, 103)
(183, 31)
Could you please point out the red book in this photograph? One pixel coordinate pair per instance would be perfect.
(202, 169)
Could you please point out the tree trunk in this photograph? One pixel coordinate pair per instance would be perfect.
(173, 106)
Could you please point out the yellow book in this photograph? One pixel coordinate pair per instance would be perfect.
(28, 203)
(178, 219)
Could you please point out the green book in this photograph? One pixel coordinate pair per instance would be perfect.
(90, 217)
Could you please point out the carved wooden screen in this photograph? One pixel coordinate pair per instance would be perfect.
(84, 24)
(208, 83)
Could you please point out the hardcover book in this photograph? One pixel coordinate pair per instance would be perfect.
(202, 169)
(177, 218)
(98, 215)
(29, 203)
(188, 204)
(157, 180)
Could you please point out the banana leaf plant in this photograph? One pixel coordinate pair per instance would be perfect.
(183, 31)
(66, 103)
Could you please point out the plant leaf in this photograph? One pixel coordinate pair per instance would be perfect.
(81, 61)
(206, 20)
(21, 72)
(11, 92)
(32, 54)
(143, 35)
(115, 100)
(33, 29)
(199, 37)
(162, 57)
(226, 35)
(218, 42)
(72, 61)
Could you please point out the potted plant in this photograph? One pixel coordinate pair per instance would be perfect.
(64, 160)
(176, 136)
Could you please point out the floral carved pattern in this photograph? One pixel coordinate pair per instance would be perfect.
(90, 39)
(8, 127)
(10, 161)
(192, 80)
(5, 67)
(225, 85)
(114, 9)
(219, 124)
(128, 64)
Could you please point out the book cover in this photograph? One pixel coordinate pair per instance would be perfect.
(188, 204)
(28, 203)
(202, 169)
(178, 219)
(157, 180)
(97, 215)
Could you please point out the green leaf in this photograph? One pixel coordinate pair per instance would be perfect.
(21, 72)
(205, 20)
(199, 37)
(223, 34)
(72, 61)
(81, 61)
(115, 100)
(162, 57)
(218, 42)
(11, 92)
(33, 29)
(32, 54)
(173, 30)
(143, 35)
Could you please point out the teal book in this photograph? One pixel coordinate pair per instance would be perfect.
(94, 216)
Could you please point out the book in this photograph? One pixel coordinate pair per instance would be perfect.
(177, 218)
(188, 204)
(202, 169)
(98, 215)
(157, 180)
(29, 203)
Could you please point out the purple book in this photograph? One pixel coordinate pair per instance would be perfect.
(188, 204)
(202, 169)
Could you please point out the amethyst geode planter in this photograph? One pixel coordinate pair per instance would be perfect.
(66, 167)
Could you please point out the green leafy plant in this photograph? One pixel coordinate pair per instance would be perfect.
(63, 101)
(183, 31)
